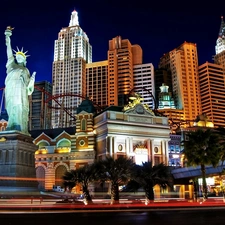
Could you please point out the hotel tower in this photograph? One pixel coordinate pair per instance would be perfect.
(182, 62)
(122, 56)
(113, 81)
(72, 51)
(212, 82)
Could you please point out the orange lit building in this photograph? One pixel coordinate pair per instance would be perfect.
(183, 65)
(96, 82)
(212, 89)
(112, 81)
(122, 56)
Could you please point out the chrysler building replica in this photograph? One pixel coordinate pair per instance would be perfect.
(72, 51)
(219, 58)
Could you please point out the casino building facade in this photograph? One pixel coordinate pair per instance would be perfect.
(133, 131)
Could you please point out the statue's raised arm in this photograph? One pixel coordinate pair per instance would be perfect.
(18, 86)
(8, 33)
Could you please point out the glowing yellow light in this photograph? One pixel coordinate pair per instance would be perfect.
(21, 53)
(41, 151)
(2, 139)
(63, 150)
(132, 98)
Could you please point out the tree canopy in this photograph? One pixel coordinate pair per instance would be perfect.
(146, 176)
(202, 147)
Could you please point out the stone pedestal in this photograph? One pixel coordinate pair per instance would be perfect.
(17, 161)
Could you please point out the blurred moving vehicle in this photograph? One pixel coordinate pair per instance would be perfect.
(58, 188)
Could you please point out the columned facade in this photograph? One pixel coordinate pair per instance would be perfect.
(134, 132)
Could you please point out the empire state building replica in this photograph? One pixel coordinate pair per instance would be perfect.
(72, 51)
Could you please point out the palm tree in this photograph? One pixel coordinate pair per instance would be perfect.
(117, 172)
(221, 133)
(82, 176)
(146, 176)
(68, 181)
(202, 148)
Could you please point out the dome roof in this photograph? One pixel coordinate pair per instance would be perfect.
(87, 106)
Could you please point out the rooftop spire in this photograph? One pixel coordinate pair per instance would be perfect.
(74, 19)
(222, 28)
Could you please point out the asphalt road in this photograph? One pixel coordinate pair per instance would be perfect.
(206, 216)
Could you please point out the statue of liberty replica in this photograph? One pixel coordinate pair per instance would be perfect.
(17, 149)
(18, 86)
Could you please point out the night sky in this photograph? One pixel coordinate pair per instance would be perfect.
(157, 26)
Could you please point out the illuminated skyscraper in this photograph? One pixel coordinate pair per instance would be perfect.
(144, 83)
(183, 64)
(96, 77)
(72, 51)
(212, 89)
(122, 56)
(112, 81)
(219, 58)
(212, 82)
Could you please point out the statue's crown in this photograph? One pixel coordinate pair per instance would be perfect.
(21, 52)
